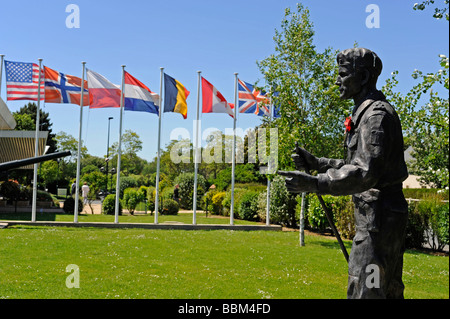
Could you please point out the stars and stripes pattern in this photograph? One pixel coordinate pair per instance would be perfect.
(251, 100)
(64, 88)
(22, 81)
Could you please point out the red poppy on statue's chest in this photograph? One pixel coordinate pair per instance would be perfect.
(348, 124)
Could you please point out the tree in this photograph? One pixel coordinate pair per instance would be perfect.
(131, 163)
(49, 172)
(425, 122)
(439, 13)
(311, 110)
(171, 164)
(26, 120)
(66, 142)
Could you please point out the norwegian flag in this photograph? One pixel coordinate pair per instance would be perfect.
(22, 81)
(251, 100)
(63, 88)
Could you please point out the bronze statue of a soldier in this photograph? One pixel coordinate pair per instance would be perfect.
(372, 172)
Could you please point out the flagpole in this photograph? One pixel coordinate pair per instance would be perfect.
(233, 159)
(119, 154)
(77, 182)
(2, 56)
(36, 146)
(194, 203)
(159, 146)
(268, 180)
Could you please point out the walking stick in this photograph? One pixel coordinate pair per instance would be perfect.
(327, 212)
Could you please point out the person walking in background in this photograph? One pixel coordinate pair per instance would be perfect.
(85, 192)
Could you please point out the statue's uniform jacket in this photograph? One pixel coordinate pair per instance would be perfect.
(373, 173)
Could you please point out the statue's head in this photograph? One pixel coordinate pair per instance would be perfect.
(359, 69)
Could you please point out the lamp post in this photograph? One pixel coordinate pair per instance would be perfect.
(107, 154)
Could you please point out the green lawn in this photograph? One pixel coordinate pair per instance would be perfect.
(126, 218)
(140, 263)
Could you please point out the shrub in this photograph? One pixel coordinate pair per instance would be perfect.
(109, 205)
(238, 193)
(130, 199)
(440, 224)
(282, 204)
(424, 193)
(171, 207)
(186, 182)
(216, 202)
(416, 227)
(207, 199)
(69, 205)
(261, 207)
(10, 190)
(428, 222)
(43, 196)
(316, 216)
(166, 193)
(142, 193)
(344, 216)
(248, 206)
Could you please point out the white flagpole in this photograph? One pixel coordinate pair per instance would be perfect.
(36, 146)
(2, 56)
(233, 159)
(119, 154)
(268, 180)
(196, 157)
(77, 183)
(159, 146)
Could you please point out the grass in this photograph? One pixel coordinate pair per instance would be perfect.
(185, 218)
(138, 263)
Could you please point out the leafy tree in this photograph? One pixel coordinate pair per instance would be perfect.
(131, 163)
(66, 142)
(28, 112)
(425, 122)
(311, 111)
(175, 150)
(24, 122)
(439, 13)
(49, 172)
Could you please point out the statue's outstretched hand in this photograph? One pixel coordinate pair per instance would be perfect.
(299, 182)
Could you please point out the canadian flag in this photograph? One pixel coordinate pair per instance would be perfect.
(102, 93)
(213, 100)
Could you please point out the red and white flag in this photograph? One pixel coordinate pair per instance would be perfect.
(102, 93)
(213, 100)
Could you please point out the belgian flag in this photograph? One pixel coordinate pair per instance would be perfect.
(175, 95)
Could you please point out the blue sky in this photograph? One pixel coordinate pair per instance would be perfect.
(218, 38)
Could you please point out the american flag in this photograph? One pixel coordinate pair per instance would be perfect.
(22, 81)
(252, 100)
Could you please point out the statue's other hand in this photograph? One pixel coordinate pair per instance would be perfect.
(304, 160)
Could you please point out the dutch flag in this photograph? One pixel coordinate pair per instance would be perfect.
(138, 97)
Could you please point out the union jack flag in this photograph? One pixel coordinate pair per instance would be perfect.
(22, 81)
(251, 100)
